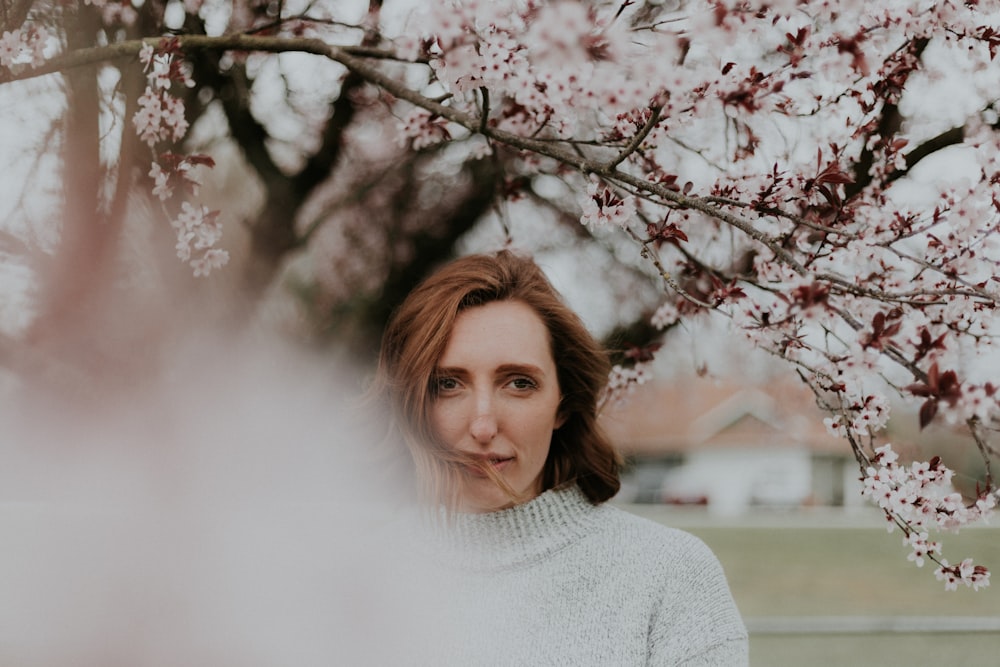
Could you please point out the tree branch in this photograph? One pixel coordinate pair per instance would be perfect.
(639, 137)
(365, 70)
(888, 125)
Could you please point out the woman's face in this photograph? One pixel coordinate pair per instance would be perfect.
(496, 398)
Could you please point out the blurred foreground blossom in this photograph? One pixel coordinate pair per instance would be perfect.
(230, 511)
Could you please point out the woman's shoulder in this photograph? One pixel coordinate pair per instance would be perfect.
(642, 529)
(642, 536)
(695, 609)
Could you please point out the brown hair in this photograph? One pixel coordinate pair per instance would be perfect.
(416, 337)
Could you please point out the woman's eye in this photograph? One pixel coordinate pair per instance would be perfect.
(523, 383)
(445, 384)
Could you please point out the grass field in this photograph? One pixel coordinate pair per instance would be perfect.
(845, 571)
(800, 566)
(875, 650)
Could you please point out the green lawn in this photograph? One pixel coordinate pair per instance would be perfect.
(800, 564)
(847, 571)
(911, 650)
(788, 568)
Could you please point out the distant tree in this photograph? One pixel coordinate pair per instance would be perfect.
(822, 174)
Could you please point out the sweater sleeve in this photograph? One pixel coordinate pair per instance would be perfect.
(697, 623)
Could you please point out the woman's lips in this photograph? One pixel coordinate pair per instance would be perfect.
(497, 463)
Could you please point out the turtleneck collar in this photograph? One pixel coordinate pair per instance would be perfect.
(517, 536)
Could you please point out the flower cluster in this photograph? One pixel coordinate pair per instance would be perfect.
(422, 129)
(161, 115)
(665, 315)
(198, 230)
(552, 66)
(861, 414)
(601, 207)
(623, 381)
(919, 498)
(23, 47)
(160, 118)
(172, 170)
(976, 576)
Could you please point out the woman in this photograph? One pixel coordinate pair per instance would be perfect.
(494, 384)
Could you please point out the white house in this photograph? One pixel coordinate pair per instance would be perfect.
(729, 446)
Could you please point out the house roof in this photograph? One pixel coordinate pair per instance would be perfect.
(665, 417)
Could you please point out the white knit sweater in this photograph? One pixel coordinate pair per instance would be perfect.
(558, 581)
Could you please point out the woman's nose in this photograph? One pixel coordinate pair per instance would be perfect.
(484, 424)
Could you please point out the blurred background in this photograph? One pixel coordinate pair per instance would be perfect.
(747, 466)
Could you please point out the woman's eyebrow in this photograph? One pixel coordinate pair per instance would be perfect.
(528, 369)
(449, 370)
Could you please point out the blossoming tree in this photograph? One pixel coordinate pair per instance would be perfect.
(822, 174)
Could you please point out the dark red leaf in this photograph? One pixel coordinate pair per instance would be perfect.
(878, 323)
(927, 412)
(205, 160)
(836, 177)
(920, 390)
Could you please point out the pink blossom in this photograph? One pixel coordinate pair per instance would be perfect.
(207, 234)
(602, 207)
(919, 498)
(183, 245)
(208, 262)
(920, 546)
(189, 217)
(160, 117)
(198, 230)
(623, 381)
(424, 129)
(966, 572)
(158, 72)
(146, 54)
(665, 315)
(173, 117)
(161, 182)
(148, 118)
(10, 47)
(835, 426)
(37, 39)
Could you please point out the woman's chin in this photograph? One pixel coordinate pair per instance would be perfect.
(483, 496)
